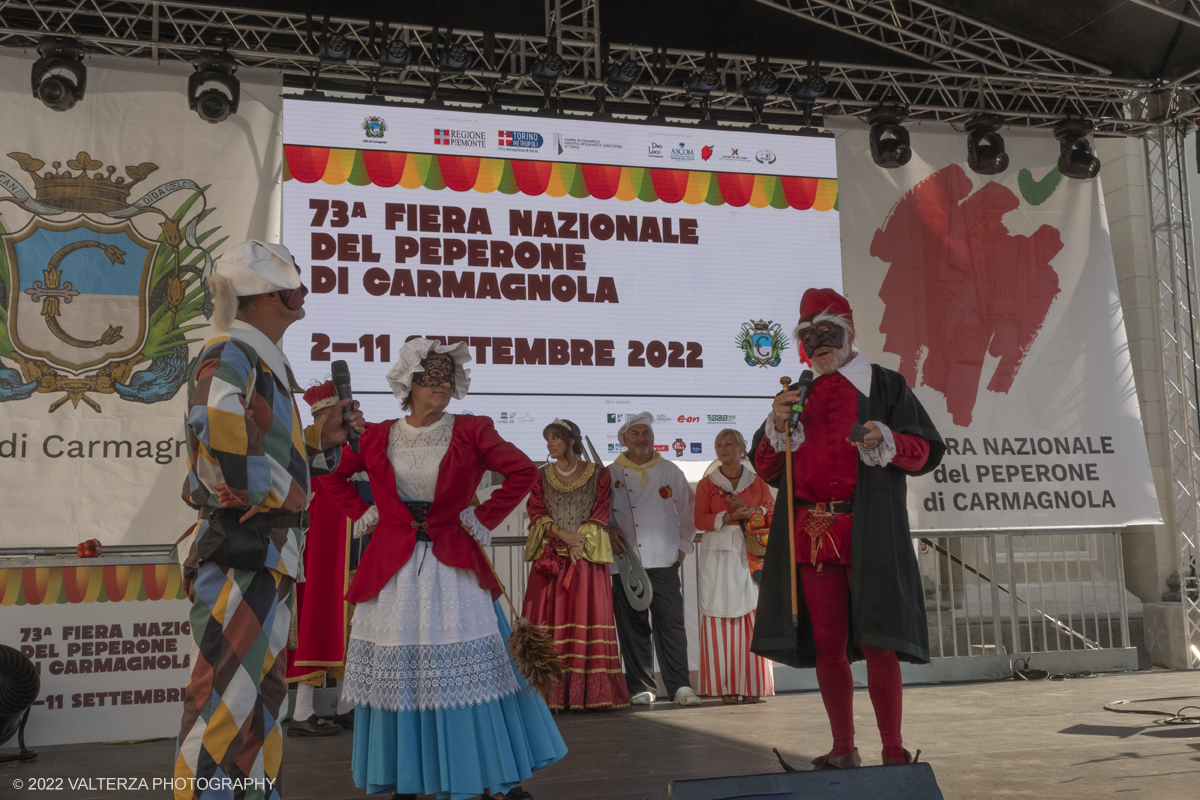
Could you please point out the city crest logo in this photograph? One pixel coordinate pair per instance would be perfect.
(762, 343)
(374, 127)
(95, 298)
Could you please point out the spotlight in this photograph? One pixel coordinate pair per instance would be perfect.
(213, 93)
(702, 82)
(395, 55)
(1075, 156)
(760, 84)
(59, 77)
(889, 139)
(547, 70)
(985, 146)
(623, 74)
(455, 58)
(808, 90)
(334, 48)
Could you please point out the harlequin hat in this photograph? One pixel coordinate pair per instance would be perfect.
(257, 267)
(817, 301)
(321, 396)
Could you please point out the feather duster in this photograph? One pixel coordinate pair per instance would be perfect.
(532, 647)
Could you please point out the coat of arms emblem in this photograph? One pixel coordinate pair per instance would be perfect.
(95, 297)
(762, 343)
(374, 127)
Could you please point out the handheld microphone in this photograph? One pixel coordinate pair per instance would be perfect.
(805, 386)
(341, 382)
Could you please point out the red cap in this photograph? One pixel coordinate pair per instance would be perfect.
(817, 300)
(322, 396)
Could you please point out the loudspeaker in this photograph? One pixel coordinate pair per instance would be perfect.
(905, 782)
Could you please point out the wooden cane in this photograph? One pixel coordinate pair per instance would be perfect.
(791, 512)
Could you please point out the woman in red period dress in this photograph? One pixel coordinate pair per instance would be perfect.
(569, 590)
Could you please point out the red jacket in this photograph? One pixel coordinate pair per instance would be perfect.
(475, 447)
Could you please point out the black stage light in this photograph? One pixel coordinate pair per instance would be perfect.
(760, 83)
(985, 146)
(213, 93)
(1076, 158)
(702, 81)
(889, 140)
(547, 70)
(811, 88)
(19, 687)
(623, 74)
(395, 55)
(334, 48)
(455, 58)
(59, 78)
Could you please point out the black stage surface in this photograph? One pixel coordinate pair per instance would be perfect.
(1049, 739)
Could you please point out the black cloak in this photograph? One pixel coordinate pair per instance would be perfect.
(887, 600)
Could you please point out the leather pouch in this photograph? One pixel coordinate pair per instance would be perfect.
(231, 544)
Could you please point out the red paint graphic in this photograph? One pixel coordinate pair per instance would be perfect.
(706, 152)
(961, 286)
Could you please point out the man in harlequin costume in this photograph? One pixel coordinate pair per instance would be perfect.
(321, 612)
(859, 587)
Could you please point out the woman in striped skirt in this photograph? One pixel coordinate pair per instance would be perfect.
(725, 498)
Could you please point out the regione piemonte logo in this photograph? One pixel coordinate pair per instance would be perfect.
(459, 138)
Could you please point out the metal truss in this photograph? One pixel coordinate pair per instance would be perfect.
(500, 64)
(1188, 5)
(1179, 316)
(934, 35)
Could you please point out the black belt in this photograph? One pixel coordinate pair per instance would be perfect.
(278, 519)
(418, 509)
(835, 507)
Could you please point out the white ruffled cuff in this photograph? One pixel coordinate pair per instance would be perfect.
(365, 523)
(478, 532)
(719, 521)
(881, 454)
(777, 438)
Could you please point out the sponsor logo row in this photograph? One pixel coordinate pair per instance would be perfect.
(375, 128)
(711, 419)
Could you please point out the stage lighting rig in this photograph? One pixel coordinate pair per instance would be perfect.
(759, 85)
(985, 146)
(623, 74)
(334, 48)
(212, 92)
(394, 55)
(547, 70)
(454, 58)
(890, 146)
(59, 78)
(1076, 159)
(702, 82)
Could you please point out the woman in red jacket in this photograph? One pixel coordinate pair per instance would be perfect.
(569, 590)
(726, 499)
(439, 708)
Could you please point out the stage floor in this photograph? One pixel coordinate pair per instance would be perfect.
(1048, 739)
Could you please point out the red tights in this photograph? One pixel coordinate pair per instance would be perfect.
(827, 595)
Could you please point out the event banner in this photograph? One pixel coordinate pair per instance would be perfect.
(996, 298)
(111, 644)
(595, 269)
(110, 217)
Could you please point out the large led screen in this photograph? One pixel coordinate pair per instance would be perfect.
(596, 269)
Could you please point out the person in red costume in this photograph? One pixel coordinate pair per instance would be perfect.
(860, 588)
(322, 615)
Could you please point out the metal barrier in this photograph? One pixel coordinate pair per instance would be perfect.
(1051, 598)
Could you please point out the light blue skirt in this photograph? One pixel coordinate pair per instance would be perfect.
(456, 753)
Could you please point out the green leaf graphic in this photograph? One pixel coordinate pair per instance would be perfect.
(1037, 192)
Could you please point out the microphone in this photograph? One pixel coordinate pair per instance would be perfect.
(341, 382)
(804, 385)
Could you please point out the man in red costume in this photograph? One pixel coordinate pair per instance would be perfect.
(860, 589)
(321, 612)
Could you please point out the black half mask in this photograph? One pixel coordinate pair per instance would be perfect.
(439, 369)
(822, 334)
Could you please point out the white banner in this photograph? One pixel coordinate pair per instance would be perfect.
(110, 215)
(595, 269)
(996, 298)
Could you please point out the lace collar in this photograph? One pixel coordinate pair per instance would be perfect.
(720, 479)
(588, 469)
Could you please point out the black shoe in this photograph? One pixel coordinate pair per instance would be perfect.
(398, 796)
(518, 793)
(347, 721)
(313, 726)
